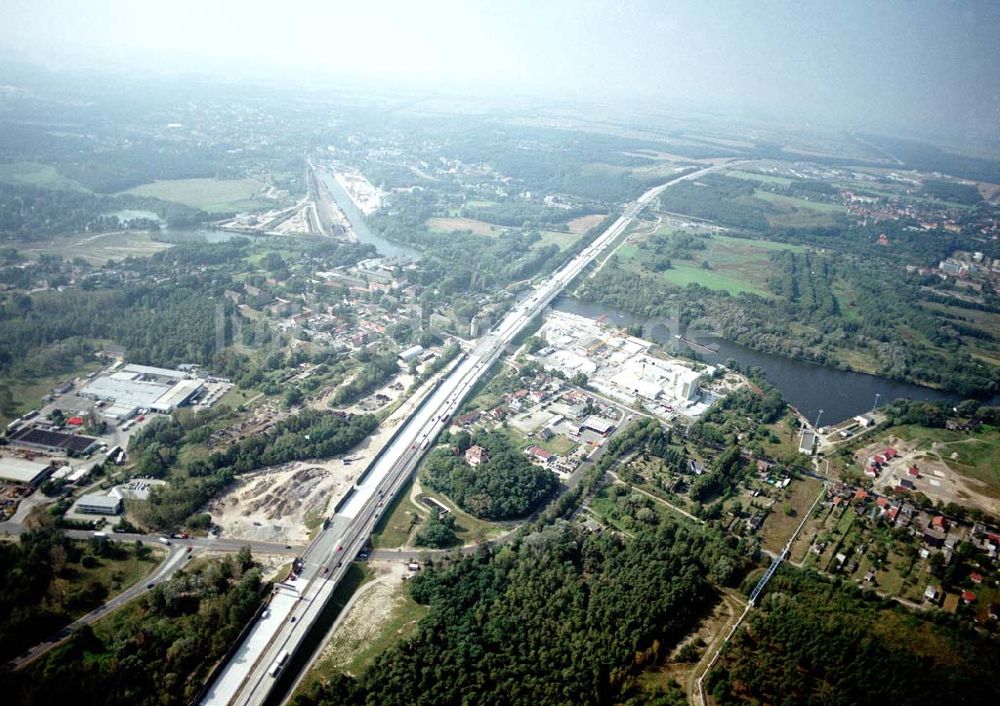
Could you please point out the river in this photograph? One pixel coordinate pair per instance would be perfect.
(806, 386)
(364, 234)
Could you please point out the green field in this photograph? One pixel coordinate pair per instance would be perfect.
(555, 237)
(40, 175)
(762, 178)
(212, 195)
(799, 213)
(737, 264)
(977, 453)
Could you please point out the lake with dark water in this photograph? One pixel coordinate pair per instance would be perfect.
(806, 386)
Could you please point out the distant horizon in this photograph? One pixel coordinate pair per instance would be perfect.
(929, 71)
(645, 109)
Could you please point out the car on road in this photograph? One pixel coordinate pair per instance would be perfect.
(150, 584)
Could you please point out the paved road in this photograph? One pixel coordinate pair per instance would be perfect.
(250, 674)
(179, 552)
(219, 544)
(175, 559)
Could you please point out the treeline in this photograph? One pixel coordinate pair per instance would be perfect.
(159, 323)
(308, 434)
(30, 213)
(560, 617)
(815, 642)
(953, 191)
(725, 200)
(156, 651)
(527, 214)
(506, 486)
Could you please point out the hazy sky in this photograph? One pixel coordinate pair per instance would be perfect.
(920, 65)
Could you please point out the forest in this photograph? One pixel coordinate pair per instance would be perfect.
(506, 486)
(30, 213)
(157, 650)
(29, 569)
(560, 617)
(806, 318)
(817, 642)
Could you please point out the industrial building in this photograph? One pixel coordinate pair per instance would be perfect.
(53, 440)
(622, 367)
(94, 504)
(134, 387)
(23, 472)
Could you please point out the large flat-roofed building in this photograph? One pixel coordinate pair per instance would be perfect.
(602, 425)
(135, 387)
(94, 504)
(53, 441)
(23, 472)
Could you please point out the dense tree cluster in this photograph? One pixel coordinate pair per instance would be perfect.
(30, 213)
(159, 651)
(562, 617)
(508, 485)
(27, 570)
(376, 370)
(815, 642)
(806, 318)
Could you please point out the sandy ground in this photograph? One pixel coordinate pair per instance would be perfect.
(584, 223)
(367, 614)
(279, 504)
(937, 481)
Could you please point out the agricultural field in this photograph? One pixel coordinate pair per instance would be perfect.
(451, 225)
(788, 511)
(555, 237)
(97, 249)
(42, 176)
(758, 177)
(212, 195)
(737, 264)
(799, 213)
(584, 223)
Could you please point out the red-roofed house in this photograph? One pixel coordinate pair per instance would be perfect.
(914, 472)
(976, 577)
(890, 514)
(890, 453)
(860, 494)
(939, 522)
(476, 455)
(538, 454)
(880, 458)
(968, 596)
(882, 502)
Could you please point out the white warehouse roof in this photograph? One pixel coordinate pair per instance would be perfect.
(18, 470)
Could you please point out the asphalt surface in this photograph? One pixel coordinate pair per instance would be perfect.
(251, 674)
(179, 551)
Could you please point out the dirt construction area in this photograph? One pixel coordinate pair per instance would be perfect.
(287, 503)
(376, 607)
(936, 479)
(280, 504)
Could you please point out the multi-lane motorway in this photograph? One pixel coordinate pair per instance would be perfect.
(251, 672)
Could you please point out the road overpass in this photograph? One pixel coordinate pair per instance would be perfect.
(251, 673)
